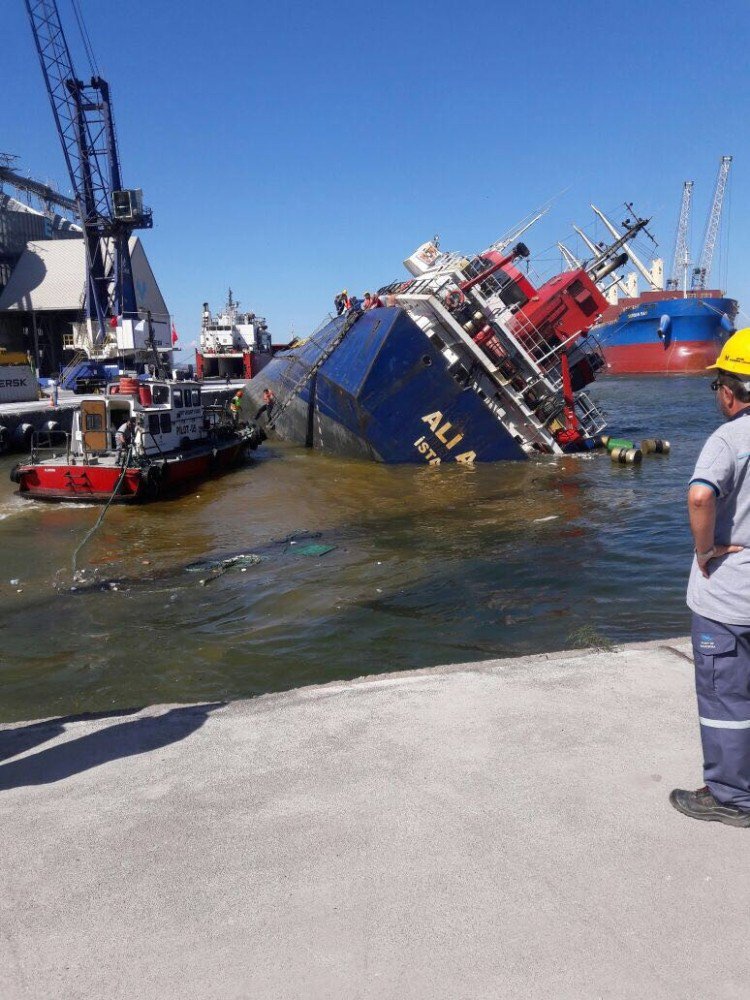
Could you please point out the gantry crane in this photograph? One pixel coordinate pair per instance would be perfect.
(109, 213)
(702, 272)
(681, 260)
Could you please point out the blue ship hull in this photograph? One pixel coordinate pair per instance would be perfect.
(385, 393)
(666, 335)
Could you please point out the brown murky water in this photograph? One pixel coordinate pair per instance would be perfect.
(425, 565)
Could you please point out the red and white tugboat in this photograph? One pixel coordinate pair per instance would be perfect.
(172, 439)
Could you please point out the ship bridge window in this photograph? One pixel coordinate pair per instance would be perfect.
(196, 396)
(160, 394)
(153, 423)
(177, 398)
(509, 291)
(165, 422)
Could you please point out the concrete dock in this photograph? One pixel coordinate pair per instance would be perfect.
(491, 830)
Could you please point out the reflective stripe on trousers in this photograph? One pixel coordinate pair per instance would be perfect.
(722, 684)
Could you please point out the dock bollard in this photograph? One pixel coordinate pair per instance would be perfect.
(626, 456)
(655, 446)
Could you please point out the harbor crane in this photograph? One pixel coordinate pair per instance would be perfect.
(44, 192)
(109, 212)
(681, 260)
(702, 272)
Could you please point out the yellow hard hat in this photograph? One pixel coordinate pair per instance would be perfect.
(735, 354)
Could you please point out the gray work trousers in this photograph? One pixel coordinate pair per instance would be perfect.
(722, 684)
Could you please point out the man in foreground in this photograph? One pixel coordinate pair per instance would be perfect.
(719, 597)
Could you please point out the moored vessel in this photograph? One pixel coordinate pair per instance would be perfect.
(672, 328)
(666, 333)
(233, 344)
(141, 440)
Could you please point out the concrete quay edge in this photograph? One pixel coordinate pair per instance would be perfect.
(495, 829)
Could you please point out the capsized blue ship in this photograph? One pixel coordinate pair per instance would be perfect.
(466, 362)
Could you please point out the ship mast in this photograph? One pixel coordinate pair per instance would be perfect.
(635, 259)
(702, 272)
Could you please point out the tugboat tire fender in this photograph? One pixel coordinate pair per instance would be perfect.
(155, 476)
(15, 475)
(22, 435)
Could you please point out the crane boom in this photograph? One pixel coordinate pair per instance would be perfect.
(83, 116)
(43, 191)
(681, 260)
(702, 272)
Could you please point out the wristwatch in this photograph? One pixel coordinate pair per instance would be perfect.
(705, 556)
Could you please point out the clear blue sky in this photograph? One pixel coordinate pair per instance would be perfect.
(289, 149)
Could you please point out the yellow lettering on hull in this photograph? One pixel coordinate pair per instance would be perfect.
(433, 420)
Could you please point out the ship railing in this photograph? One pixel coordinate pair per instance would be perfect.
(49, 444)
(518, 415)
(591, 418)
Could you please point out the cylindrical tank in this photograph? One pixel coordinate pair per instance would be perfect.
(129, 386)
(655, 446)
(626, 456)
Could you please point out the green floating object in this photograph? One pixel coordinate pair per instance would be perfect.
(314, 549)
(619, 443)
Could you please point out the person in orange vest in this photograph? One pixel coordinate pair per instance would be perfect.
(372, 301)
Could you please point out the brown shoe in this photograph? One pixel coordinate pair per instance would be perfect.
(702, 805)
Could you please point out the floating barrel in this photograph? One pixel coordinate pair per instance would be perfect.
(655, 446)
(22, 436)
(626, 456)
(612, 442)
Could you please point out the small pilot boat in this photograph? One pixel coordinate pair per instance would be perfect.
(172, 439)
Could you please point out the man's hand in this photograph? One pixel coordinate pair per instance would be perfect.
(704, 558)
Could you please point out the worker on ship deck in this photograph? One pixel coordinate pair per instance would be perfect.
(341, 302)
(235, 406)
(124, 438)
(372, 301)
(269, 401)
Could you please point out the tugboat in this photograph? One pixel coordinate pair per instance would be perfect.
(169, 439)
(464, 362)
(233, 345)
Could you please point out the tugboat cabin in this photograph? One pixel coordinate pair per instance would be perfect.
(169, 417)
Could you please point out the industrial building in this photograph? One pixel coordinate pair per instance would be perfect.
(43, 285)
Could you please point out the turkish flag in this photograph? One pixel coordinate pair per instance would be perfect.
(175, 338)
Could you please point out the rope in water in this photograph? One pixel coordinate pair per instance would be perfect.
(91, 532)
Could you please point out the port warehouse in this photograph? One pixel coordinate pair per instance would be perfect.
(43, 282)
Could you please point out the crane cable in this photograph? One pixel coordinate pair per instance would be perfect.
(85, 38)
